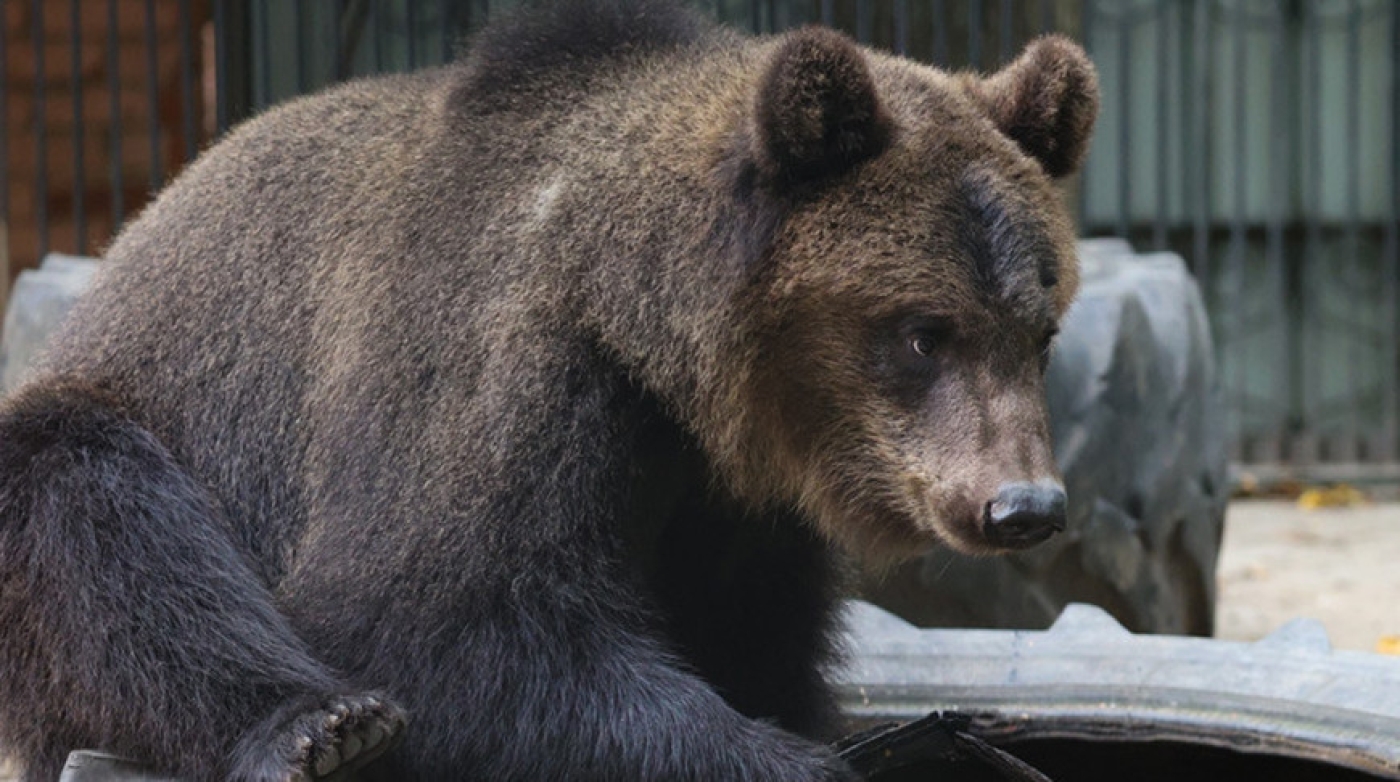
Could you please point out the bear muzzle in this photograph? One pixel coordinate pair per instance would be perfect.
(1023, 514)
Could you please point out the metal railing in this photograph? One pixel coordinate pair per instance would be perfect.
(1257, 138)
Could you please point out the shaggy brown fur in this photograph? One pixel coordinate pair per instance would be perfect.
(523, 395)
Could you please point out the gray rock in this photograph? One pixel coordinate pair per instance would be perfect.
(39, 302)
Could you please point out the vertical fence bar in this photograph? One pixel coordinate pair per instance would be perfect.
(901, 27)
(262, 55)
(1200, 117)
(1239, 215)
(187, 79)
(4, 158)
(829, 12)
(1391, 423)
(1312, 242)
(153, 94)
(864, 21)
(114, 96)
(1357, 272)
(1004, 32)
(974, 35)
(221, 96)
(1284, 287)
(411, 25)
(940, 33)
(1162, 40)
(1047, 16)
(376, 36)
(79, 162)
(448, 19)
(1126, 24)
(41, 162)
(299, 47)
(338, 28)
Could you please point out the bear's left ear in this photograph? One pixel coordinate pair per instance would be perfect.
(1046, 101)
(816, 111)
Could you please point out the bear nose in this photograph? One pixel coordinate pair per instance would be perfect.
(1024, 514)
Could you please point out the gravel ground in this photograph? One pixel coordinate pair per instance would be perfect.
(1340, 566)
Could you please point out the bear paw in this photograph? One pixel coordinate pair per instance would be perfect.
(325, 743)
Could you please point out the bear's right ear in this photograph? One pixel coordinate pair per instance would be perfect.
(816, 111)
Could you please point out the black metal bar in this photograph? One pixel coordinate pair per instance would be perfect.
(865, 21)
(1391, 422)
(901, 27)
(1352, 79)
(1125, 123)
(1047, 16)
(940, 33)
(1005, 34)
(153, 93)
(1279, 132)
(187, 79)
(114, 94)
(376, 35)
(1313, 240)
(1162, 41)
(974, 34)
(221, 62)
(1201, 133)
(41, 162)
(411, 24)
(4, 151)
(445, 17)
(262, 55)
(1239, 382)
(338, 28)
(79, 161)
(829, 12)
(299, 47)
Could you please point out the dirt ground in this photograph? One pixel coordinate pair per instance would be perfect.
(1340, 566)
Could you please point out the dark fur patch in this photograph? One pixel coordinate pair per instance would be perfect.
(541, 37)
(1009, 254)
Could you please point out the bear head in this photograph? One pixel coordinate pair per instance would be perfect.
(907, 303)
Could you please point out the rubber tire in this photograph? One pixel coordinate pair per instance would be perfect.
(1089, 681)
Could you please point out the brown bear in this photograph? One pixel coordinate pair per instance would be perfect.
(494, 421)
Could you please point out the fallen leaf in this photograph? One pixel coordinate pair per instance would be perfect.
(1339, 496)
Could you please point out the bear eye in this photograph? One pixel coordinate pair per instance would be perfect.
(923, 337)
(922, 344)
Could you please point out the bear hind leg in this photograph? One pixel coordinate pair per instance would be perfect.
(134, 625)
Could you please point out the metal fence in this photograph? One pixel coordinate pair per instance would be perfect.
(1257, 138)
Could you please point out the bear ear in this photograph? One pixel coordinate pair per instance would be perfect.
(1046, 101)
(816, 111)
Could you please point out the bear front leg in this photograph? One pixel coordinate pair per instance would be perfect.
(132, 623)
(580, 692)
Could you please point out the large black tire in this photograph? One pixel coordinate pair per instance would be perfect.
(1089, 701)
(1138, 425)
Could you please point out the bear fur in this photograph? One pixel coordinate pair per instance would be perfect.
(497, 421)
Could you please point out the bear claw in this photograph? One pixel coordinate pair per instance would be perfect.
(327, 743)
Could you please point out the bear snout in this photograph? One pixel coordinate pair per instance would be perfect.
(1024, 514)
